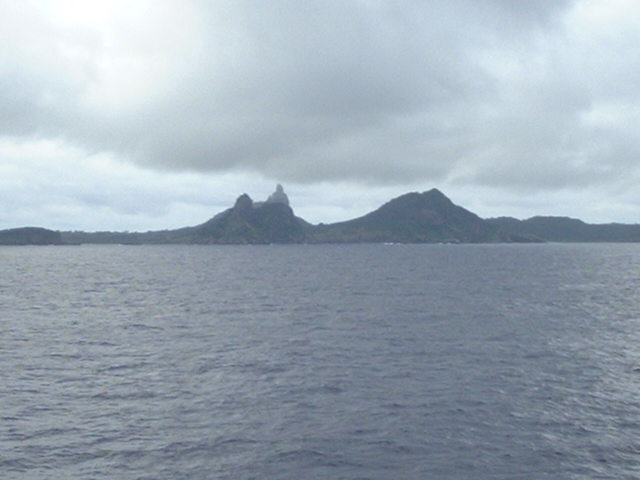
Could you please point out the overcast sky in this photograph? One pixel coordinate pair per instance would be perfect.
(147, 114)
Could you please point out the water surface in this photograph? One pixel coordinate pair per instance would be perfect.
(316, 362)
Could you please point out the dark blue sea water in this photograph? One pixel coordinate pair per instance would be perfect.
(320, 362)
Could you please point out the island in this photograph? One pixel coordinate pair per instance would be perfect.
(416, 217)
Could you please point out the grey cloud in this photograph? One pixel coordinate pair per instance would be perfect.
(490, 93)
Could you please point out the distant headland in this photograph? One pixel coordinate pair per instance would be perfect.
(427, 217)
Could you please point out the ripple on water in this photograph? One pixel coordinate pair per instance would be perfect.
(315, 362)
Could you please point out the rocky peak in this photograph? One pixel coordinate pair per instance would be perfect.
(278, 196)
(243, 202)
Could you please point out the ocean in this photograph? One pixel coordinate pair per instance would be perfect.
(320, 362)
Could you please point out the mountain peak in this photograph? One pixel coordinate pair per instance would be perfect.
(426, 217)
(243, 202)
(278, 196)
(436, 195)
(434, 192)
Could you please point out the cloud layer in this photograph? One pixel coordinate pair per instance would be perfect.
(529, 98)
